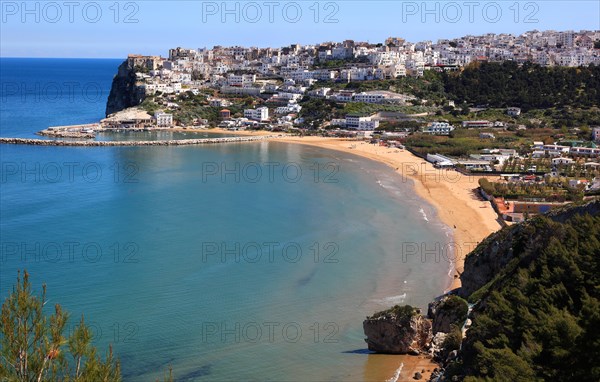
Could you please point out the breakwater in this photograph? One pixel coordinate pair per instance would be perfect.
(179, 142)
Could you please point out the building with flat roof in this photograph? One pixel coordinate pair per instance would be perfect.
(258, 114)
(438, 128)
(163, 119)
(596, 134)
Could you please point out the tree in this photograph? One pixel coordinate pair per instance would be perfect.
(34, 347)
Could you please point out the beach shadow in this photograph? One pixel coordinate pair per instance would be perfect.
(358, 351)
(476, 195)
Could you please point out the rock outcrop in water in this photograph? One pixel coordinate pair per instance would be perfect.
(125, 91)
(400, 330)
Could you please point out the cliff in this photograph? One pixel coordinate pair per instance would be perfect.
(125, 90)
(495, 253)
(535, 287)
(534, 312)
(399, 330)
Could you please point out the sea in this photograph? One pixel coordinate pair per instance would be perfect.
(249, 261)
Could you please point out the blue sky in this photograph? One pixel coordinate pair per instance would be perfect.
(112, 29)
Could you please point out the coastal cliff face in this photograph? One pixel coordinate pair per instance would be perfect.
(535, 287)
(446, 312)
(124, 92)
(496, 252)
(400, 330)
(534, 306)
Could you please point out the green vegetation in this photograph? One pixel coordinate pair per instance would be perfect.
(407, 125)
(447, 145)
(557, 191)
(429, 87)
(528, 86)
(34, 347)
(403, 313)
(193, 107)
(452, 341)
(455, 306)
(337, 64)
(316, 110)
(538, 318)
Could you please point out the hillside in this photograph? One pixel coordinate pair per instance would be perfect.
(536, 289)
(534, 305)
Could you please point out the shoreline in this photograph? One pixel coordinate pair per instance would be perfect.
(457, 205)
(451, 194)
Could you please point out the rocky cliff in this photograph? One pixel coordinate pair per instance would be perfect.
(534, 306)
(125, 90)
(399, 330)
(447, 311)
(496, 253)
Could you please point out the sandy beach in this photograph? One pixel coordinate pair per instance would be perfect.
(458, 205)
(453, 194)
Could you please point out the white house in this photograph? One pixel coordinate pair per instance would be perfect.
(587, 151)
(596, 134)
(361, 123)
(513, 111)
(556, 150)
(258, 114)
(241, 80)
(369, 97)
(438, 128)
(562, 160)
(477, 124)
(163, 119)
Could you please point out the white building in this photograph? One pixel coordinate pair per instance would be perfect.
(477, 124)
(439, 160)
(562, 160)
(258, 114)
(556, 150)
(587, 151)
(357, 122)
(439, 128)
(513, 111)
(596, 134)
(241, 80)
(369, 97)
(163, 119)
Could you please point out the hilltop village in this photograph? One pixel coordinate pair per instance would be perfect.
(523, 108)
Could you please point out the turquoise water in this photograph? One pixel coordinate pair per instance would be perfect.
(161, 135)
(254, 261)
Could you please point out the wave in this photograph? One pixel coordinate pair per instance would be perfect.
(396, 376)
(422, 211)
(392, 300)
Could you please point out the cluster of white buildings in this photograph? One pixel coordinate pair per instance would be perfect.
(255, 71)
(235, 69)
(540, 150)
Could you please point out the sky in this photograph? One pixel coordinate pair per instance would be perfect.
(113, 29)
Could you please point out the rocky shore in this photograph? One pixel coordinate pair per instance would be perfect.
(180, 142)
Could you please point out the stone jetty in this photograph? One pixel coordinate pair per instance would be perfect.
(179, 142)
